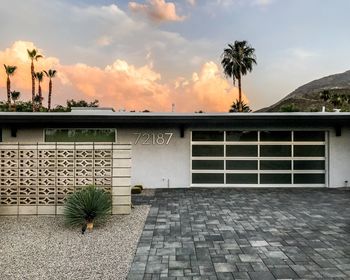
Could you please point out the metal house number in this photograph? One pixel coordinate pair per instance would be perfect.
(153, 138)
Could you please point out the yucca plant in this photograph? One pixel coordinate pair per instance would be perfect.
(86, 207)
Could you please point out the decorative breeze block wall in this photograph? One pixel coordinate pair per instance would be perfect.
(36, 178)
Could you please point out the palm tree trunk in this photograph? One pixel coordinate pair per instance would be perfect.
(8, 91)
(33, 83)
(50, 93)
(240, 109)
(41, 96)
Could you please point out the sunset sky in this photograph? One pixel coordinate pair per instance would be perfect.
(149, 54)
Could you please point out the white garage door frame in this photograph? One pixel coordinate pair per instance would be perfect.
(259, 158)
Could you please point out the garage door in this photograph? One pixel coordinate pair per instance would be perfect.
(258, 158)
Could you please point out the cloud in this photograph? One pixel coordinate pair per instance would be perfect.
(110, 32)
(204, 88)
(227, 3)
(192, 2)
(122, 85)
(104, 41)
(157, 10)
(300, 53)
(262, 2)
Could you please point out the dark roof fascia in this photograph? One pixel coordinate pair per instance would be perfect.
(316, 120)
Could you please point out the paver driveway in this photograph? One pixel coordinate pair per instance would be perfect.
(245, 234)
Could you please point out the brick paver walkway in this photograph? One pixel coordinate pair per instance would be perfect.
(253, 234)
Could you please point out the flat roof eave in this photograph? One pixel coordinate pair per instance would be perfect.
(117, 119)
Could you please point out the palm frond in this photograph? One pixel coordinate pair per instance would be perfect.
(51, 73)
(237, 106)
(38, 56)
(15, 95)
(39, 76)
(33, 54)
(10, 69)
(37, 98)
(238, 59)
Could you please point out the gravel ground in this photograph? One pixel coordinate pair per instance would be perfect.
(43, 248)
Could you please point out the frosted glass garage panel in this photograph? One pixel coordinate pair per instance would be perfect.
(244, 136)
(275, 178)
(275, 164)
(284, 136)
(207, 136)
(207, 150)
(244, 178)
(309, 165)
(241, 164)
(314, 136)
(309, 150)
(275, 151)
(208, 178)
(208, 164)
(309, 178)
(241, 150)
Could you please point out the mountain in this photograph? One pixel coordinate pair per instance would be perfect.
(307, 97)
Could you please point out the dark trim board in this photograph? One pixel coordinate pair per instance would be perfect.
(182, 121)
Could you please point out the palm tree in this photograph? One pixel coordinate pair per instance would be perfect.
(33, 55)
(345, 98)
(325, 95)
(336, 100)
(237, 106)
(39, 76)
(237, 61)
(14, 96)
(50, 74)
(10, 71)
(36, 103)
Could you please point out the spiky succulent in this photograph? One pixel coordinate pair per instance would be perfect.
(88, 205)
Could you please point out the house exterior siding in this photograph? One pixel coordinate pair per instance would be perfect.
(339, 158)
(168, 165)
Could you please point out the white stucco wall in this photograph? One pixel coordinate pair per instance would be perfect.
(32, 135)
(155, 165)
(162, 166)
(339, 158)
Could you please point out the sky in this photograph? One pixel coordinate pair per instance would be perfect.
(150, 54)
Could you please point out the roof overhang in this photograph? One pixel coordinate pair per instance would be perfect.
(237, 120)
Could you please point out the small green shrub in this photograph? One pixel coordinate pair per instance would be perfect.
(139, 186)
(136, 190)
(89, 205)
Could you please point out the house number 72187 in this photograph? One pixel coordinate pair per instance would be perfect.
(153, 138)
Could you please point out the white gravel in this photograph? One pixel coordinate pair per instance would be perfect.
(39, 247)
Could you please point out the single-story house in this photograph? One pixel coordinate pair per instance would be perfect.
(45, 156)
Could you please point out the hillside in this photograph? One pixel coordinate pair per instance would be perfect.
(307, 97)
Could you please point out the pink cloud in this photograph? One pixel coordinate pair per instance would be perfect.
(207, 91)
(122, 85)
(157, 10)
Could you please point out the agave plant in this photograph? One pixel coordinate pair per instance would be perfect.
(86, 207)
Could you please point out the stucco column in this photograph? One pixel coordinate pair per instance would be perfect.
(121, 181)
